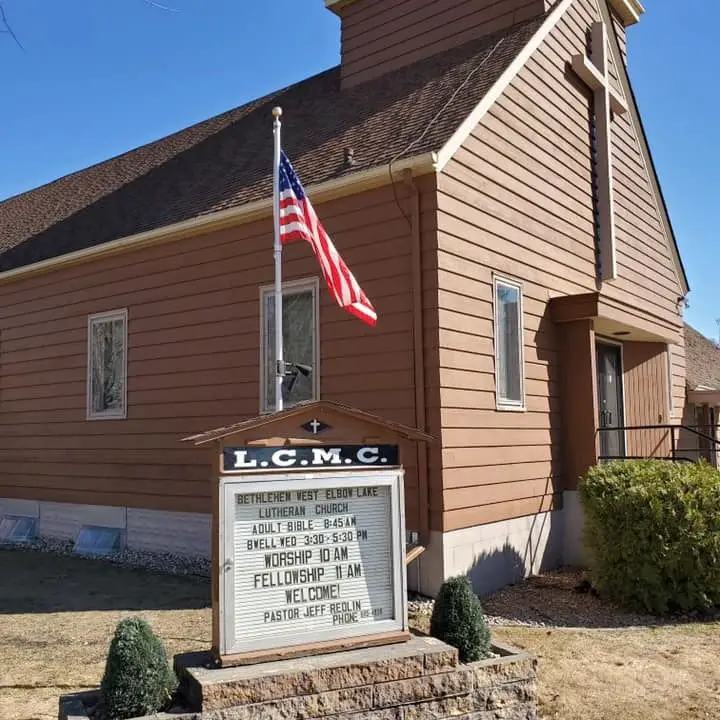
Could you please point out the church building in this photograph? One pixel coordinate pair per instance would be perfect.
(482, 168)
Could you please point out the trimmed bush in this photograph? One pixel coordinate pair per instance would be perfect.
(458, 620)
(652, 530)
(138, 680)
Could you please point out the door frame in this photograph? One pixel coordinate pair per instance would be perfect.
(602, 340)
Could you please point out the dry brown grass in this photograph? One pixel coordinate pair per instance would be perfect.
(598, 662)
(57, 616)
(661, 673)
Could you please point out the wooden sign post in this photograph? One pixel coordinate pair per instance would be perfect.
(308, 533)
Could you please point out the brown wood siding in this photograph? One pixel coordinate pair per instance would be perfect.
(380, 36)
(645, 268)
(646, 398)
(579, 399)
(620, 33)
(517, 199)
(679, 386)
(193, 355)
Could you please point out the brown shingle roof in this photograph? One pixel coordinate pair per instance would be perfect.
(702, 359)
(225, 162)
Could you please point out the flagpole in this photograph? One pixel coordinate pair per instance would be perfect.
(277, 253)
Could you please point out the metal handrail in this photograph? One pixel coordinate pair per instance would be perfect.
(691, 428)
(673, 440)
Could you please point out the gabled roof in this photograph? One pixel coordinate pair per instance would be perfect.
(225, 162)
(702, 361)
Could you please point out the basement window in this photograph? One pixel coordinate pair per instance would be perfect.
(17, 529)
(98, 541)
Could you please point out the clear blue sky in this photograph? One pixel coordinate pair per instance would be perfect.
(99, 77)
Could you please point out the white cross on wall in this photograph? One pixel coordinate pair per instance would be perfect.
(595, 74)
(315, 425)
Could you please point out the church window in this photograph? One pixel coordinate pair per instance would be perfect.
(300, 344)
(509, 374)
(107, 366)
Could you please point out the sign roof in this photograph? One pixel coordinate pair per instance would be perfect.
(326, 411)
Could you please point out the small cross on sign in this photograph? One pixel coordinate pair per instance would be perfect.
(594, 72)
(315, 426)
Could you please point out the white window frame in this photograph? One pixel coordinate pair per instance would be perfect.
(671, 399)
(109, 316)
(501, 403)
(289, 287)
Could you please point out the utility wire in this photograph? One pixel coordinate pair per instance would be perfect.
(436, 117)
(8, 28)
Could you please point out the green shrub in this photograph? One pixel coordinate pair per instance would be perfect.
(652, 529)
(138, 680)
(458, 620)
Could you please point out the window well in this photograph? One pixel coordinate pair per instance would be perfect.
(100, 541)
(17, 529)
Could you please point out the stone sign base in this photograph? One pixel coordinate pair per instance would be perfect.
(418, 680)
(421, 679)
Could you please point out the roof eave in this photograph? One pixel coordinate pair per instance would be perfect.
(337, 5)
(704, 397)
(629, 11)
(320, 192)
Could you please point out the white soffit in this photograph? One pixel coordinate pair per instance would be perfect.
(628, 10)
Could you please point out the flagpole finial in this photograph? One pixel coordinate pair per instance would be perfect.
(277, 112)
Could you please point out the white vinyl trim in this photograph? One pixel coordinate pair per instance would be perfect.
(106, 414)
(290, 287)
(628, 10)
(671, 400)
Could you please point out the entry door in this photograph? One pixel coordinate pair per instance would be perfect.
(610, 400)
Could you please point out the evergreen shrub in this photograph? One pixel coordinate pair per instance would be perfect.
(138, 679)
(458, 620)
(652, 530)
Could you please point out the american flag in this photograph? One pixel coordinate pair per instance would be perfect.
(298, 221)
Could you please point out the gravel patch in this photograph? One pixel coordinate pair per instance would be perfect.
(558, 599)
(167, 563)
(564, 599)
(419, 604)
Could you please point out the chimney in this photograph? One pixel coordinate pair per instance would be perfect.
(379, 36)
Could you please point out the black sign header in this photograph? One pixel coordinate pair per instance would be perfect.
(249, 459)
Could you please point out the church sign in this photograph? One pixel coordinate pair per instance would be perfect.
(308, 533)
(310, 559)
(281, 458)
